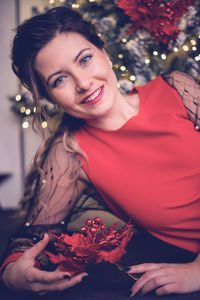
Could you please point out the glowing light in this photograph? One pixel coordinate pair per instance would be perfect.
(147, 61)
(163, 56)
(194, 48)
(185, 48)
(51, 1)
(44, 124)
(91, 0)
(193, 42)
(155, 53)
(123, 68)
(132, 78)
(62, 1)
(118, 85)
(124, 40)
(175, 49)
(74, 5)
(23, 109)
(197, 58)
(34, 109)
(120, 56)
(18, 98)
(25, 124)
(28, 111)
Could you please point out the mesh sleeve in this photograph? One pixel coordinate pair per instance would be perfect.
(57, 195)
(189, 91)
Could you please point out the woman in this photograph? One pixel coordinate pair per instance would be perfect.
(139, 151)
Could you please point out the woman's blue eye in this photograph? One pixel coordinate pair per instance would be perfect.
(58, 81)
(85, 59)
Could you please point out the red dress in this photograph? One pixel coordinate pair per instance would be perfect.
(149, 169)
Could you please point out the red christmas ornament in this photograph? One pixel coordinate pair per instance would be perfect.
(157, 16)
(93, 244)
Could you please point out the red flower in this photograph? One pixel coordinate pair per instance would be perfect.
(158, 17)
(93, 244)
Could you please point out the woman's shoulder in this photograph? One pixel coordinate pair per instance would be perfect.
(189, 91)
(181, 81)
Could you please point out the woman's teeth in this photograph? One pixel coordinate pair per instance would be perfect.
(93, 96)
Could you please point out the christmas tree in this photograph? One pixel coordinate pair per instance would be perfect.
(144, 38)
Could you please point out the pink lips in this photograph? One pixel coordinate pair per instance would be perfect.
(96, 99)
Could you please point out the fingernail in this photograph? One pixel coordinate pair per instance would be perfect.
(127, 269)
(66, 276)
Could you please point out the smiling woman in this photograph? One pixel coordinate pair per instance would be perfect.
(80, 81)
(139, 154)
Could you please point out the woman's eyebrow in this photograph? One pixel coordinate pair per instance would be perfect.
(75, 59)
(80, 52)
(50, 76)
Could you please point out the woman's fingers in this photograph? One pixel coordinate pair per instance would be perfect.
(156, 282)
(58, 285)
(141, 268)
(166, 289)
(35, 275)
(149, 281)
(167, 278)
(34, 251)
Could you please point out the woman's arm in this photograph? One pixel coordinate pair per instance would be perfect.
(57, 195)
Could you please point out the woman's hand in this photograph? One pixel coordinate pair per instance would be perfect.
(167, 278)
(22, 275)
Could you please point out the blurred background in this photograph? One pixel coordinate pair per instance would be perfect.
(143, 38)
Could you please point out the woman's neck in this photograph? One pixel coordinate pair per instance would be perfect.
(125, 108)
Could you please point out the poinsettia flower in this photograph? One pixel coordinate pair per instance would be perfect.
(93, 244)
(157, 16)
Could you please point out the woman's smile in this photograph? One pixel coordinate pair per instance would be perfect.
(94, 97)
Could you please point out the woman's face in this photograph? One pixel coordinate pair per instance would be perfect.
(77, 76)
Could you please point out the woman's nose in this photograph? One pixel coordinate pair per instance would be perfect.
(83, 82)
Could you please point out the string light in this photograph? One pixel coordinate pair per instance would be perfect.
(197, 58)
(44, 124)
(74, 5)
(120, 56)
(185, 48)
(123, 68)
(23, 109)
(62, 1)
(175, 49)
(91, 0)
(147, 61)
(132, 78)
(28, 111)
(163, 56)
(118, 85)
(155, 53)
(194, 48)
(18, 98)
(193, 42)
(34, 109)
(124, 40)
(51, 1)
(25, 124)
